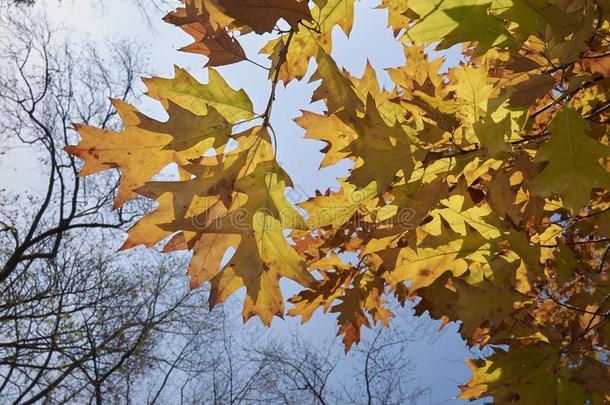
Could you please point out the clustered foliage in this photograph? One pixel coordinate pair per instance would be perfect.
(480, 192)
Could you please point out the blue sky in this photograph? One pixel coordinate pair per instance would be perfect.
(440, 356)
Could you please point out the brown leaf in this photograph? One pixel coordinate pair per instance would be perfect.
(535, 87)
(211, 38)
(263, 15)
(220, 48)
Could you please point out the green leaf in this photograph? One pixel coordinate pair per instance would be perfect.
(573, 158)
(187, 92)
(457, 21)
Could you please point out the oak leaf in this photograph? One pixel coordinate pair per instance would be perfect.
(574, 161)
(211, 37)
(335, 88)
(457, 21)
(385, 150)
(187, 92)
(263, 15)
(305, 43)
(130, 150)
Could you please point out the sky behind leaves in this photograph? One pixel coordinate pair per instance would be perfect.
(440, 356)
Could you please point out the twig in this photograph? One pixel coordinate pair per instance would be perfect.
(282, 59)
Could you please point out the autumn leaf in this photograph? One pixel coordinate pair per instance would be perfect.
(375, 139)
(535, 87)
(457, 21)
(331, 130)
(335, 88)
(305, 43)
(337, 208)
(130, 150)
(211, 38)
(263, 15)
(454, 298)
(574, 161)
(188, 93)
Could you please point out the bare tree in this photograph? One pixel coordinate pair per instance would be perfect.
(148, 8)
(381, 371)
(249, 366)
(77, 322)
(386, 374)
(293, 370)
(45, 86)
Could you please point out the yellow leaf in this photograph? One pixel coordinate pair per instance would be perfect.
(338, 208)
(188, 93)
(472, 89)
(130, 150)
(305, 43)
(336, 89)
(385, 150)
(329, 129)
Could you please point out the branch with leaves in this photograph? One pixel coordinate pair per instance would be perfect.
(475, 185)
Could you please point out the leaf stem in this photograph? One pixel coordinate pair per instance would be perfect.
(257, 64)
(276, 76)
